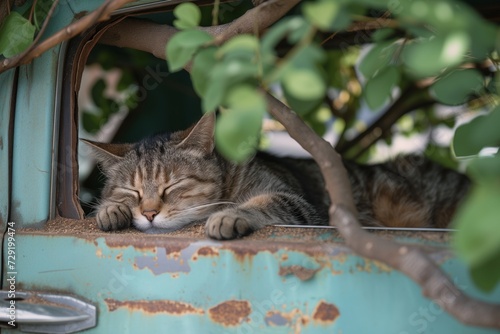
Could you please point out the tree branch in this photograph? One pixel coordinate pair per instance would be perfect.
(36, 49)
(408, 259)
(411, 99)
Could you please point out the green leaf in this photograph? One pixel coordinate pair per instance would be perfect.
(245, 42)
(246, 97)
(41, 10)
(97, 91)
(485, 169)
(307, 57)
(16, 34)
(481, 132)
(383, 34)
(222, 77)
(442, 155)
(379, 88)
(108, 107)
(125, 81)
(304, 84)
(294, 25)
(238, 128)
(378, 57)
(456, 87)
(91, 122)
(203, 62)
(429, 57)
(477, 240)
(301, 107)
(327, 15)
(188, 16)
(486, 275)
(183, 45)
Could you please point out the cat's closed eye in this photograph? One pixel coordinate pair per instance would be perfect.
(177, 185)
(128, 191)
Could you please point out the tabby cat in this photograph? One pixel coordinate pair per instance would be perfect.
(169, 181)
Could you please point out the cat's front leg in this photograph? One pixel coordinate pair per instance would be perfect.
(113, 216)
(231, 223)
(260, 211)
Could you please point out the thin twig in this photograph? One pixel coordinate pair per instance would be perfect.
(100, 14)
(409, 100)
(409, 260)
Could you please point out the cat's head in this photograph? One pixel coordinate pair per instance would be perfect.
(166, 181)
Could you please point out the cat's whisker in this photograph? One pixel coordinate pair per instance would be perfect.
(193, 208)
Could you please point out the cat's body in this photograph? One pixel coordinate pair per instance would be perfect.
(167, 182)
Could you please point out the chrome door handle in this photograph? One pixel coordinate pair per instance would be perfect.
(40, 312)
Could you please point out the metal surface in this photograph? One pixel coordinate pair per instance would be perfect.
(283, 281)
(34, 124)
(46, 313)
(280, 280)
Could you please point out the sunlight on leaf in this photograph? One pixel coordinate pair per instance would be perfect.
(327, 15)
(188, 16)
(238, 128)
(304, 84)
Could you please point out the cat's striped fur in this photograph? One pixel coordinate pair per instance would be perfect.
(166, 182)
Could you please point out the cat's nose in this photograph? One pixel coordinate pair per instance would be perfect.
(150, 214)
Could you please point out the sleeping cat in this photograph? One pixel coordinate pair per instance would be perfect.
(169, 181)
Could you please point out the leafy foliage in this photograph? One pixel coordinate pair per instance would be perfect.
(435, 49)
(19, 28)
(16, 34)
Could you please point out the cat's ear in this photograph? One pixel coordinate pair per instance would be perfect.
(108, 154)
(201, 135)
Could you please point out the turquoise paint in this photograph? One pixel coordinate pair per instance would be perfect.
(33, 140)
(371, 299)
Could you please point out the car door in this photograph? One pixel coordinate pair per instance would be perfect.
(60, 274)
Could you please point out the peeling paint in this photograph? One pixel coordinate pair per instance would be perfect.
(231, 312)
(277, 318)
(153, 306)
(162, 263)
(325, 313)
(173, 259)
(300, 272)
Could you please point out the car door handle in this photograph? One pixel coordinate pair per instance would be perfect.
(40, 312)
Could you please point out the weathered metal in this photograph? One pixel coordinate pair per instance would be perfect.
(278, 280)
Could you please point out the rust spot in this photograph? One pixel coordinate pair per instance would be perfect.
(302, 273)
(208, 251)
(242, 251)
(119, 257)
(153, 306)
(325, 312)
(231, 312)
(284, 257)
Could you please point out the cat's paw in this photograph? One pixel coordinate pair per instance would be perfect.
(114, 217)
(228, 224)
